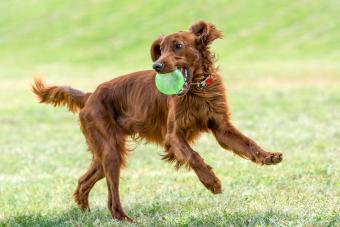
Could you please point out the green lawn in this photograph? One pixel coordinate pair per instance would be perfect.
(283, 82)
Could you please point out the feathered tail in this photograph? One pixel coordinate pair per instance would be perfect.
(72, 98)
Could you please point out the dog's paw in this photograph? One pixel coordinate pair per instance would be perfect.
(127, 218)
(272, 158)
(214, 185)
(121, 216)
(216, 188)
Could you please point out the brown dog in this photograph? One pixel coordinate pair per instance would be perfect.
(131, 105)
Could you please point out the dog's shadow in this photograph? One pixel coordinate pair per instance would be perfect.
(150, 215)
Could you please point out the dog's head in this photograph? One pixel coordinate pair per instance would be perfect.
(186, 50)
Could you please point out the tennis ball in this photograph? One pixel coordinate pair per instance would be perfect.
(170, 83)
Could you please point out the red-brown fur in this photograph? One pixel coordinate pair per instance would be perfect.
(131, 105)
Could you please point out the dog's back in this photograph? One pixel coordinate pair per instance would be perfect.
(134, 103)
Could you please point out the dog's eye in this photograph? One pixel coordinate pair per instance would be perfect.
(178, 46)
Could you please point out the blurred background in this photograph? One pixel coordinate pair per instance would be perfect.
(280, 62)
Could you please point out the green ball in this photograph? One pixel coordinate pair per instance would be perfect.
(170, 83)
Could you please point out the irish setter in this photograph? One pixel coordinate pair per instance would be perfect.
(131, 105)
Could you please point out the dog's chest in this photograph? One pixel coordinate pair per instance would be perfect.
(193, 115)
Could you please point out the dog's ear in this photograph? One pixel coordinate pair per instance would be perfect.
(205, 32)
(155, 49)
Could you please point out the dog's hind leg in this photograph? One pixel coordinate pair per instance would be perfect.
(86, 182)
(107, 143)
(112, 161)
(95, 171)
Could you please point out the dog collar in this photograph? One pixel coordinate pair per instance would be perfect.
(204, 83)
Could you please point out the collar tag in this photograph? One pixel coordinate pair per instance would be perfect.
(205, 83)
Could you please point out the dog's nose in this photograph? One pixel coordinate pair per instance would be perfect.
(157, 66)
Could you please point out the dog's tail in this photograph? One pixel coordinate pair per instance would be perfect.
(72, 98)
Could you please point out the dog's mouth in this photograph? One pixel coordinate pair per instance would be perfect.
(187, 80)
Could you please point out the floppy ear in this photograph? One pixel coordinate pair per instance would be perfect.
(205, 32)
(155, 49)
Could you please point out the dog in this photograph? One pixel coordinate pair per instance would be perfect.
(131, 105)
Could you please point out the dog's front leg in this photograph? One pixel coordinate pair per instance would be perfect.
(231, 138)
(177, 149)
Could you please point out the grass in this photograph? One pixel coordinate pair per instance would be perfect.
(43, 153)
(286, 98)
(112, 32)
